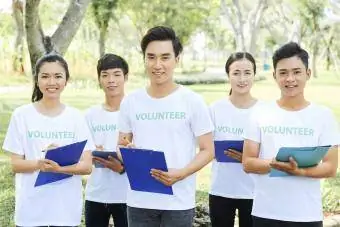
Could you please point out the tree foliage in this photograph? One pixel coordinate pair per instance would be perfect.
(103, 12)
(182, 15)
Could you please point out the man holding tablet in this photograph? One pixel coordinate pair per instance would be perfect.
(291, 121)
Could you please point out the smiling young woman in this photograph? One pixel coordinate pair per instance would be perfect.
(46, 123)
(230, 116)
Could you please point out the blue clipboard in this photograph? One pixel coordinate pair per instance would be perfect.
(138, 164)
(304, 156)
(64, 156)
(223, 145)
(105, 155)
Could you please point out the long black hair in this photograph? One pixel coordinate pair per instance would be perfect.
(236, 57)
(51, 57)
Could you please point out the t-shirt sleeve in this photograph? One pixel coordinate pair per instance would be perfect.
(88, 119)
(124, 122)
(212, 117)
(83, 133)
(252, 130)
(201, 122)
(13, 140)
(330, 134)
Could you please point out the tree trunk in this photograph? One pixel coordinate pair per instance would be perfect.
(236, 21)
(18, 57)
(68, 27)
(314, 60)
(254, 21)
(328, 53)
(34, 33)
(240, 43)
(62, 37)
(102, 41)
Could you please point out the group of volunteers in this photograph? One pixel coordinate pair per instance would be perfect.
(171, 118)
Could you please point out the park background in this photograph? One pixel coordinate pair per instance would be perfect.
(82, 30)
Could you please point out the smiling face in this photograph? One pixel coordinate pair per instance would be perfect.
(51, 80)
(112, 81)
(241, 76)
(160, 62)
(291, 76)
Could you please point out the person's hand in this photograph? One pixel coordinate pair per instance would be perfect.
(124, 142)
(50, 147)
(99, 147)
(234, 154)
(47, 165)
(168, 178)
(112, 163)
(290, 167)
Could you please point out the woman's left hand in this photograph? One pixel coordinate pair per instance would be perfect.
(47, 165)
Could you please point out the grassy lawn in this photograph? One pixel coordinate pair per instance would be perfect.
(83, 95)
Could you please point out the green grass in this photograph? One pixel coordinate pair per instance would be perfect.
(84, 94)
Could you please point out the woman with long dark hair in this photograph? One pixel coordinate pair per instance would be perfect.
(35, 127)
(232, 188)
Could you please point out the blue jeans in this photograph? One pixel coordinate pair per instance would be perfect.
(140, 217)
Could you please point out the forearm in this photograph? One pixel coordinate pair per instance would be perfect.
(327, 168)
(256, 165)
(200, 160)
(81, 168)
(25, 166)
(323, 170)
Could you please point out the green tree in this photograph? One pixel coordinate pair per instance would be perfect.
(182, 15)
(18, 56)
(311, 13)
(244, 19)
(38, 43)
(103, 12)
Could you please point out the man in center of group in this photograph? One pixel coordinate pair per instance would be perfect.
(166, 117)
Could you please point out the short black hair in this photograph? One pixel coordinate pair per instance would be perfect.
(289, 50)
(111, 61)
(162, 33)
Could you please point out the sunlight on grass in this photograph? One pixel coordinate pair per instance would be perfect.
(83, 94)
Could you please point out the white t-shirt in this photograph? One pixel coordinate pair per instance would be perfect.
(289, 198)
(228, 179)
(29, 132)
(170, 124)
(105, 185)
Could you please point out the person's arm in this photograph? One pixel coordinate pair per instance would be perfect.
(250, 158)
(112, 163)
(20, 165)
(124, 140)
(329, 135)
(327, 168)
(83, 167)
(205, 155)
(125, 136)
